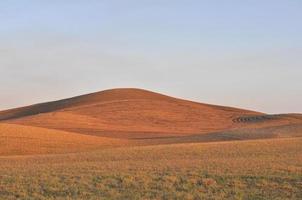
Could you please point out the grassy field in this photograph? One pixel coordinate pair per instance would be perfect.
(136, 144)
(259, 169)
(26, 140)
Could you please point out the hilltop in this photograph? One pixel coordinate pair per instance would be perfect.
(144, 117)
(127, 113)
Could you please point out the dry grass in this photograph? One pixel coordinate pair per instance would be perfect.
(139, 158)
(268, 169)
(24, 140)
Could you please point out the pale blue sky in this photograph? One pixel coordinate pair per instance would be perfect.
(230, 52)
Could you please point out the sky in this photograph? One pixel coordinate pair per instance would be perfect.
(237, 53)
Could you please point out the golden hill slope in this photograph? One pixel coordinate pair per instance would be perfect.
(83, 100)
(136, 113)
(25, 140)
(142, 117)
(128, 113)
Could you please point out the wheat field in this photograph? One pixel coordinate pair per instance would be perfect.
(266, 169)
(136, 144)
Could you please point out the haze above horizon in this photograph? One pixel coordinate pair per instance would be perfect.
(244, 54)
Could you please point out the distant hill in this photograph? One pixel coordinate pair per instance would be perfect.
(140, 114)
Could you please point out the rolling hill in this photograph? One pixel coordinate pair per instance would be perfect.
(137, 144)
(128, 113)
(26, 140)
(144, 117)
